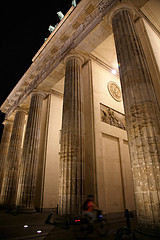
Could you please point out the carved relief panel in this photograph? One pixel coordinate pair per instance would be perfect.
(112, 117)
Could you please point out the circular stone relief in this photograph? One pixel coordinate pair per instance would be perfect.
(115, 91)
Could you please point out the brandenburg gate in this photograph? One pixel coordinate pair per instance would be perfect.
(85, 116)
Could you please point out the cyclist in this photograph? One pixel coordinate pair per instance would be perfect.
(90, 209)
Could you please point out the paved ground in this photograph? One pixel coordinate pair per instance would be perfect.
(32, 226)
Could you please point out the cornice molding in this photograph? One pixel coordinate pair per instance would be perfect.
(93, 19)
(103, 64)
(56, 93)
(53, 33)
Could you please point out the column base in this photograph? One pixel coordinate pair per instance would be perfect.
(8, 208)
(146, 234)
(26, 210)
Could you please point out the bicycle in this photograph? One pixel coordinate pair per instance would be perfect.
(85, 227)
(126, 230)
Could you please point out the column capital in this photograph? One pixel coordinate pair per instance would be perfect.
(118, 8)
(73, 55)
(6, 121)
(20, 109)
(38, 92)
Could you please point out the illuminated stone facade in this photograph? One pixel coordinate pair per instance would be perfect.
(78, 138)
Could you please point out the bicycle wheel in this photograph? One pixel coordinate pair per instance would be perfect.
(124, 231)
(101, 228)
(82, 231)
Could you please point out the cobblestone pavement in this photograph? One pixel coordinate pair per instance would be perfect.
(32, 226)
(23, 226)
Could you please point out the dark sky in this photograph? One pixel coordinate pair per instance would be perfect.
(23, 29)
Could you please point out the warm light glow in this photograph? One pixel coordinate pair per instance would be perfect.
(113, 71)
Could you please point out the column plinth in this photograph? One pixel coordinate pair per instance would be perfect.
(29, 163)
(11, 174)
(71, 154)
(142, 119)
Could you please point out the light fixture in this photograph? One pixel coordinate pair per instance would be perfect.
(39, 231)
(25, 226)
(113, 71)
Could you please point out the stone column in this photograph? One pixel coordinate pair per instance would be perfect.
(71, 154)
(11, 175)
(29, 163)
(142, 118)
(4, 147)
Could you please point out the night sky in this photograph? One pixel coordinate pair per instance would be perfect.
(23, 29)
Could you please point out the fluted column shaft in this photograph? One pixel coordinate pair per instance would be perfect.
(4, 148)
(71, 155)
(29, 163)
(142, 118)
(11, 175)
